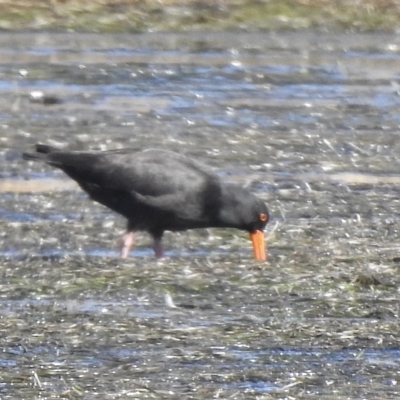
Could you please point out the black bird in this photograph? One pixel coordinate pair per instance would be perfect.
(159, 190)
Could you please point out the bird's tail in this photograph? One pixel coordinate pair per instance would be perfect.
(41, 151)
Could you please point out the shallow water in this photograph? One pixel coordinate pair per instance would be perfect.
(308, 121)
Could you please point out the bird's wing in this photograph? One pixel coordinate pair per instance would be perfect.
(152, 173)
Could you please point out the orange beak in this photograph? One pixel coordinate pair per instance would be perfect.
(257, 239)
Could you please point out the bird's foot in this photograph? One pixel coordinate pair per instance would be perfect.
(127, 243)
(157, 247)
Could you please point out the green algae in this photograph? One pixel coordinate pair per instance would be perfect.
(139, 16)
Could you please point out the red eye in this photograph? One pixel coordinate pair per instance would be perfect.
(263, 217)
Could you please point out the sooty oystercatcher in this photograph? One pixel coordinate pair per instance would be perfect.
(159, 190)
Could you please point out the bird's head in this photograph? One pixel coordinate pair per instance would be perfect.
(242, 210)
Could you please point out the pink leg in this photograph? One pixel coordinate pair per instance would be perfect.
(127, 243)
(157, 247)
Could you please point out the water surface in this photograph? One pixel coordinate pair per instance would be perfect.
(308, 121)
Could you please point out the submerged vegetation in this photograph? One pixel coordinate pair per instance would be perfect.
(150, 15)
(199, 327)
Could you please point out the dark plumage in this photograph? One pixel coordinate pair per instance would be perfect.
(160, 190)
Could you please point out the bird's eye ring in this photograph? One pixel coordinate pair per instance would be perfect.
(263, 217)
